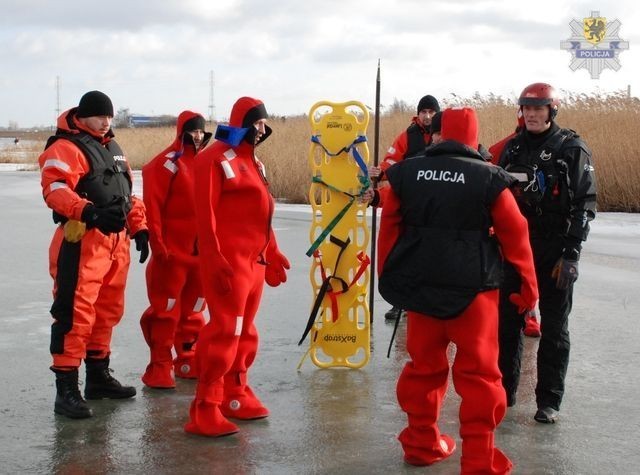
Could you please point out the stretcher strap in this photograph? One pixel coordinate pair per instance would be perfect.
(335, 220)
(326, 287)
(365, 182)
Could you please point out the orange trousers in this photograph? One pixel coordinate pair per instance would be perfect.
(89, 283)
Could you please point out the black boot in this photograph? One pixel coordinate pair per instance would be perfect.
(100, 383)
(69, 401)
(393, 314)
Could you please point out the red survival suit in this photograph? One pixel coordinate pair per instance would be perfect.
(238, 251)
(439, 260)
(175, 316)
(90, 274)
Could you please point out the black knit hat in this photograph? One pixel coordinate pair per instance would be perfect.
(436, 123)
(194, 123)
(428, 102)
(94, 104)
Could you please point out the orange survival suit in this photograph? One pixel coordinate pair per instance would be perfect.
(439, 260)
(89, 274)
(238, 252)
(175, 315)
(408, 143)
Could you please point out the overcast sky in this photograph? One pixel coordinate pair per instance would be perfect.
(156, 57)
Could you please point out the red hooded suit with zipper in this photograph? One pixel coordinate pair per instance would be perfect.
(175, 315)
(439, 259)
(89, 275)
(238, 252)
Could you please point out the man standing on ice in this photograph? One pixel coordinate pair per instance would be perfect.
(556, 192)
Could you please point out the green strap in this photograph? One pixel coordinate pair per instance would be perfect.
(325, 232)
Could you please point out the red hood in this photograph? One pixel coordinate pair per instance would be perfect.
(240, 110)
(244, 113)
(461, 125)
(182, 118)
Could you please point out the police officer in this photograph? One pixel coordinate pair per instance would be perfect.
(445, 219)
(87, 182)
(556, 192)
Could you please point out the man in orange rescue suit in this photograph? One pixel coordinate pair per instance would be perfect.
(447, 218)
(86, 181)
(408, 143)
(238, 253)
(175, 316)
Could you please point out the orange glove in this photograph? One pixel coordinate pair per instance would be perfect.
(276, 274)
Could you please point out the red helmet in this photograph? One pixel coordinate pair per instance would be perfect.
(540, 94)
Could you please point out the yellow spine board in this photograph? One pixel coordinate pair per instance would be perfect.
(343, 340)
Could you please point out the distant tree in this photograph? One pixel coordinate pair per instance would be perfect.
(400, 106)
(122, 118)
(13, 125)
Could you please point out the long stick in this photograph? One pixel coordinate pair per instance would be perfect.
(374, 211)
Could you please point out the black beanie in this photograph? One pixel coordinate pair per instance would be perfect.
(194, 123)
(93, 104)
(436, 123)
(428, 102)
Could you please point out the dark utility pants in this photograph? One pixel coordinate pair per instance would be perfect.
(553, 350)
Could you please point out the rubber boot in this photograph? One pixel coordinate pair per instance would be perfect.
(205, 417)
(159, 372)
(69, 401)
(101, 385)
(239, 401)
(394, 313)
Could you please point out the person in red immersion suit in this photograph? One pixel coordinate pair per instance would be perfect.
(238, 253)
(175, 316)
(531, 323)
(86, 181)
(447, 218)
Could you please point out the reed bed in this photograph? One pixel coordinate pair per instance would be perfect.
(608, 124)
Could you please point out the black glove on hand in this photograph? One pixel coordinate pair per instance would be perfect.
(565, 272)
(108, 220)
(142, 244)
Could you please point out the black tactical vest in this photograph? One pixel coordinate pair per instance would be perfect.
(415, 141)
(446, 254)
(542, 189)
(108, 182)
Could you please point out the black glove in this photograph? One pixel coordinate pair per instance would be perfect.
(142, 244)
(565, 272)
(108, 220)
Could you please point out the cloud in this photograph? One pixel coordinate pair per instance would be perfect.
(157, 57)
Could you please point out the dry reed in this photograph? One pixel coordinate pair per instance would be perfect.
(608, 124)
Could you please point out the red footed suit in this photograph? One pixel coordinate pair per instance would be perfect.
(238, 253)
(422, 385)
(175, 316)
